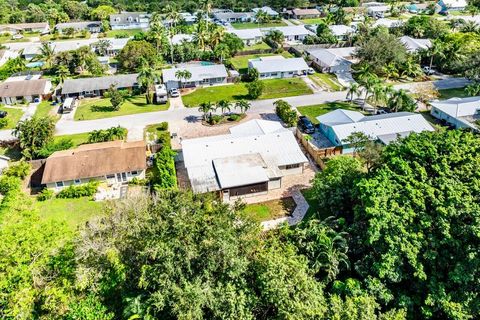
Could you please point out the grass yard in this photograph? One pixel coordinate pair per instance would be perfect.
(312, 112)
(270, 210)
(258, 46)
(452, 93)
(327, 81)
(157, 132)
(240, 63)
(274, 88)
(313, 21)
(77, 139)
(115, 33)
(74, 212)
(99, 108)
(45, 108)
(13, 116)
(253, 25)
(76, 36)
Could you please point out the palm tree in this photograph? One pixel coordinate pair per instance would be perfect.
(47, 54)
(207, 8)
(183, 74)
(147, 77)
(368, 84)
(174, 17)
(470, 26)
(206, 108)
(353, 90)
(62, 73)
(102, 46)
(436, 49)
(224, 105)
(243, 105)
(277, 37)
(401, 101)
(216, 36)
(222, 50)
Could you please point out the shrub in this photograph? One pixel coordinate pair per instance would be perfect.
(214, 119)
(3, 122)
(255, 89)
(19, 170)
(9, 183)
(86, 190)
(138, 182)
(163, 126)
(51, 147)
(234, 117)
(286, 113)
(45, 194)
(164, 176)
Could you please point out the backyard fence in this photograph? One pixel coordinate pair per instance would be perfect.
(317, 154)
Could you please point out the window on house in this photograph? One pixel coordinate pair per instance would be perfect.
(134, 173)
(292, 166)
(110, 176)
(59, 184)
(77, 181)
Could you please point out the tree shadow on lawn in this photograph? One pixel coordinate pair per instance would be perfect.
(97, 108)
(242, 97)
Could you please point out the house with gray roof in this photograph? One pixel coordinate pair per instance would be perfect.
(90, 26)
(273, 67)
(269, 11)
(339, 124)
(251, 160)
(333, 60)
(460, 113)
(292, 34)
(248, 36)
(341, 31)
(232, 17)
(14, 28)
(200, 75)
(130, 20)
(414, 45)
(96, 87)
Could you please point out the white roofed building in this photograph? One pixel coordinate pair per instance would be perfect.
(199, 76)
(293, 34)
(334, 60)
(339, 124)
(458, 112)
(251, 160)
(414, 45)
(269, 11)
(248, 36)
(272, 67)
(341, 31)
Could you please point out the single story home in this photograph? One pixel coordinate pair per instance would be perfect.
(251, 160)
(273, 67)
(341, 31)
(267, 10)
(29, 90)
(185, 17)
(130, 20)
(182, 37)
(14, 28)
(305, 13)
(388, 23)
(90, 26)
(339, 124)
(232, 17)
(114, 162)
(414, 45)
(458, 112)
(248, 36)
(6, 55)
(378, 11)
(291, 33)
(96, 87)
(334, 60)
(199, 76)
(454, 5)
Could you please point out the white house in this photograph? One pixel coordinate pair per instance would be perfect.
(334, 60)
(458, 112)
(114, 162)
(454, 5)
(232, 17)
(90, 26)
(249, 161)
(414, 45)
(269, 11)
(6, 55)
(182, 37)
(272, 67)
(293, 34)
(130, 20)
(28, 89)
(14, 28)
(97, 86)
(199, 76)
(341, 31)
(248, 36)
(339, 124)
(388, 23)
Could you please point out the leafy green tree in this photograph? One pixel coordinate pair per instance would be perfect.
(255, 89)
(286, 112)
(117, 97)
(135, 54)
(401, 101)
(103, 12)
(324, 34)
(34, 134)
(243, 105)
(147, 77)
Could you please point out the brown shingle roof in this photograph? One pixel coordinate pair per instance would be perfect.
(304, 12)
(21, 26)
(94, 160)
(23, 88)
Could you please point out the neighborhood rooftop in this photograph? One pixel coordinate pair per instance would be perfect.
(24, 88)
(99, 83)
(198, 72)
(414, 45)
(278, 64)
(95, 160)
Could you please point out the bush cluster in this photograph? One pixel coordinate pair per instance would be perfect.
(86, 190)
(286, 113)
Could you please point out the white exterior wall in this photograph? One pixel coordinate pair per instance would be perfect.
(275, 184)
(291, 171)
(140, 175)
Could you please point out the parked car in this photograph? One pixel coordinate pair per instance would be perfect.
(310, 71)
(17, 37)
(428, 70)
(3, 114)
(174, 93)
(306, 125)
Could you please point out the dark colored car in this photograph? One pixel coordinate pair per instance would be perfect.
(3, 114)
(306, 125)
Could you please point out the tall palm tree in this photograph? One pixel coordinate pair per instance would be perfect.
(102, 46)
(368, 84)
(183, 74)
(470, 26)
(62, 73)
(172, 15)
(353, 90)
(147, 77)
(224, 105)
(243, 105)
(277, 37)
(206, 108)
(47, 54)
(401, 101)
(435, 50)
(207, 8)
(216, 36)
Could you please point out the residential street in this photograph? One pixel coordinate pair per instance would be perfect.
(175, 117)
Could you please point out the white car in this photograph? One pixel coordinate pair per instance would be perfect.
(310, 71)
(174, 93)
(428, 70)
(17, 37)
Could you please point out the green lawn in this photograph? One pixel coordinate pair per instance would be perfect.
(240, 63)
(158, 131)
(274, 88)
(258, 46)
(253, 25)
(327, 81)
(76, 36)
(45, 108)
(452, 93)
(13, 116)
(74, 212)
(270, 210)
(99, 108)
(77, 139)
(130, 33)
(313, 111)
(313, 21)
